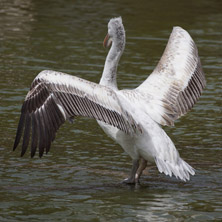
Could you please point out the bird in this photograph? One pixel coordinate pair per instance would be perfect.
(131, 117)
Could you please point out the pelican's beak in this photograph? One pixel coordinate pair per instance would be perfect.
(107, 41)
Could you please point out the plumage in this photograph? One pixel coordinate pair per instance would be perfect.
(130, 117)
(178, 79)
(55, 97)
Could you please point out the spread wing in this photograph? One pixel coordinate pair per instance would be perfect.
(55, 97)
(177, 81)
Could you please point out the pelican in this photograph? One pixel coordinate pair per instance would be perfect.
(132, 118)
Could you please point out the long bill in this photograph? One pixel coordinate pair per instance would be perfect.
(107, 41)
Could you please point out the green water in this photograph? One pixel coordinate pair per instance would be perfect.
(80, 178)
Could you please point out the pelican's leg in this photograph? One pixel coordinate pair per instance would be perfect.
(131, 179)
(142, 166)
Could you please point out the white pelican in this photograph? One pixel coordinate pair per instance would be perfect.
(131, 117)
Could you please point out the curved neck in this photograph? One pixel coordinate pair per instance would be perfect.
(110, 69)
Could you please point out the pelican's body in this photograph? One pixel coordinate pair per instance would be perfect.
(132, 118)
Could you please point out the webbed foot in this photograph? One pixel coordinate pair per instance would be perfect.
(129, 181)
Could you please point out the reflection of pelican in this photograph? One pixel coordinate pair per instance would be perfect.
(130, 117)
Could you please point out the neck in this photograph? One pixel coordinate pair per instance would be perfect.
(111, 64)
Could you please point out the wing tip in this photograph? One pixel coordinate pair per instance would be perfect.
(22, 154)
(14, 146)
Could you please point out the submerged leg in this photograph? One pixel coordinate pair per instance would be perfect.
(142, 166)
(131, 179)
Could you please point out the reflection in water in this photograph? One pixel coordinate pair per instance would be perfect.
(162, 203)
(79, 179)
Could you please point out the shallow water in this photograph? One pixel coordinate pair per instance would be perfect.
(80, 178)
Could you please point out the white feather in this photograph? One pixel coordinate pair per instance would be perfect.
(158, 100)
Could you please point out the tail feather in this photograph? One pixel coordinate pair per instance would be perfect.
(181, 169)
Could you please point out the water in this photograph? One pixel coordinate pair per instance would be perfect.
(80, 178)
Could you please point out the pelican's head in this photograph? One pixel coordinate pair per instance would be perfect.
(116, 33)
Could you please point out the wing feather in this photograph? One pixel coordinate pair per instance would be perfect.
(34, 135)
(26, 134)
(177, 82)
(55, 97)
